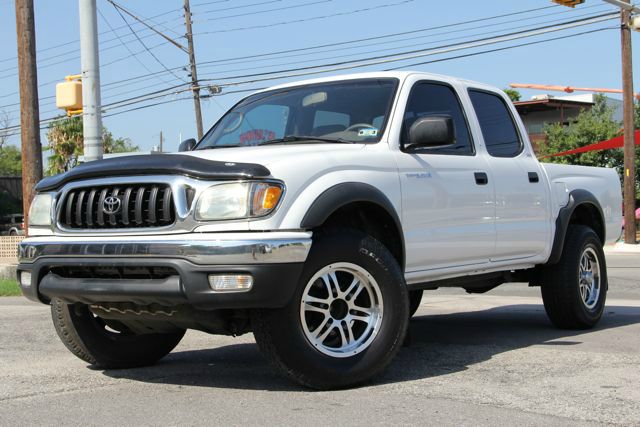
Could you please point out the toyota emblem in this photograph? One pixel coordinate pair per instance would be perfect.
(111, 205)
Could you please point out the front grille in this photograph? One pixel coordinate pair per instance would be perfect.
(139, 206)
(117, 273)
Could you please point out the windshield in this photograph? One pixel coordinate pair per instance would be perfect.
(352, 111)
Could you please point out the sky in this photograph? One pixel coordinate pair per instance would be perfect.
(252, 30)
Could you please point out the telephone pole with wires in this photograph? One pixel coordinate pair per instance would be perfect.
(194, 73)
(29, 109)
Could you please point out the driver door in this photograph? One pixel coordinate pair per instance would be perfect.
(448, 205)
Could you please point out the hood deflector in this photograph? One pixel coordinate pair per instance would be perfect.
(156, 164)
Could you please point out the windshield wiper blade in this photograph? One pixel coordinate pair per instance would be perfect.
(213, 147)
(304, 138)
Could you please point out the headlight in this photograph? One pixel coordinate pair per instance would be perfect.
(40, 210)
(238, 200)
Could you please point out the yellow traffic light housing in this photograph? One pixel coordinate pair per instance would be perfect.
(69, 95)
(570, 3)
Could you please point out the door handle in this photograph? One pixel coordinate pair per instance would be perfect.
(533, 177)
(481, 178)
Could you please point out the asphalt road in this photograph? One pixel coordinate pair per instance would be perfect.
(473, 359)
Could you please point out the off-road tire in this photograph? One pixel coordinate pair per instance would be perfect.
(88, 339)
(560, 282)
(280, 333)
(415, 297)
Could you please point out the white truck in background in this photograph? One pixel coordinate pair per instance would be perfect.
(315, 214)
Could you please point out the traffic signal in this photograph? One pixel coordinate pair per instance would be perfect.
(570, 3)
(69, 95)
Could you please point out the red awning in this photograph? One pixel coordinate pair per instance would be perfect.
(617, 142)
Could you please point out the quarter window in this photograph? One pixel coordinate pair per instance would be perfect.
(432, 99)
(498, 129)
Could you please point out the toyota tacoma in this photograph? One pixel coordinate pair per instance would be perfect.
(314, 215)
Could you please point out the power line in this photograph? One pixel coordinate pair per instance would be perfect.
(334, 44)
(77, 40)
(415, 64)
(587, 21)
(133, 80)
(122, 104)
(382, 59)
(135, 56)
(241, 6)
(456, 24)
(258, 12)
(169, 39)
(315, 18)
(142, 43)
(306, 54)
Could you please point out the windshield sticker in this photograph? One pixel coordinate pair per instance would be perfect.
(368, 132)
(254, 136)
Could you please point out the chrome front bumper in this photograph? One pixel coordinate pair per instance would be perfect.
(201, 248)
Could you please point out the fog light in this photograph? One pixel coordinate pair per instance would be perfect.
(230, 282)
(25, 279)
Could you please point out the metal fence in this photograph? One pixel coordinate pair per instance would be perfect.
(9, 249)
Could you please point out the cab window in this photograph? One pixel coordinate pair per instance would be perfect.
(498, 128)
(434, 99)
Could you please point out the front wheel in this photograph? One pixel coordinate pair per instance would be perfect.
(575, 289)
(107, 346)
(348, 316)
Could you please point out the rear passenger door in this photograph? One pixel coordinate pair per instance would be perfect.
(522, 224)
(447, 200)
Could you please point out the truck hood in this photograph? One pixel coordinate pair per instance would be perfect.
(275, 157)
(218, 164)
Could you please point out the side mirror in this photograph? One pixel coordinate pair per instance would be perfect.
(431, 132)
(187, 145)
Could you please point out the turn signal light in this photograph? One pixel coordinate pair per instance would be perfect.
(265, 198)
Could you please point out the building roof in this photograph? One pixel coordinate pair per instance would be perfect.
(549, 104)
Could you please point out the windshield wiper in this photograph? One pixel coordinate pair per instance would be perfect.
(213, 147)
(304, 138)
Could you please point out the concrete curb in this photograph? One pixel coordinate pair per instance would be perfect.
(622, 248)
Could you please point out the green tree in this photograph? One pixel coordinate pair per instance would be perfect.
(10, 161)
(65, 141)
(513, 94)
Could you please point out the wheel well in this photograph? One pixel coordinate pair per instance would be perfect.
(373, 220)
(589, 215)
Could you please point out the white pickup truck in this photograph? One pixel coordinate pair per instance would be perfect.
(314, 214)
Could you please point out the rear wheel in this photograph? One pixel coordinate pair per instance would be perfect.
(347, 319)
(575, 289)
(107, 346)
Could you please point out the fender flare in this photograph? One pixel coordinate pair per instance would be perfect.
(343, 194)
(576, 198)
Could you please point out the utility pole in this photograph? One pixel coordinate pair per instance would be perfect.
(29, 109)
(90, 67)
(629, 145)
(161, 142)
(195, 88)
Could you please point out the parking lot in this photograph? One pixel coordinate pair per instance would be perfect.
(472, 359)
